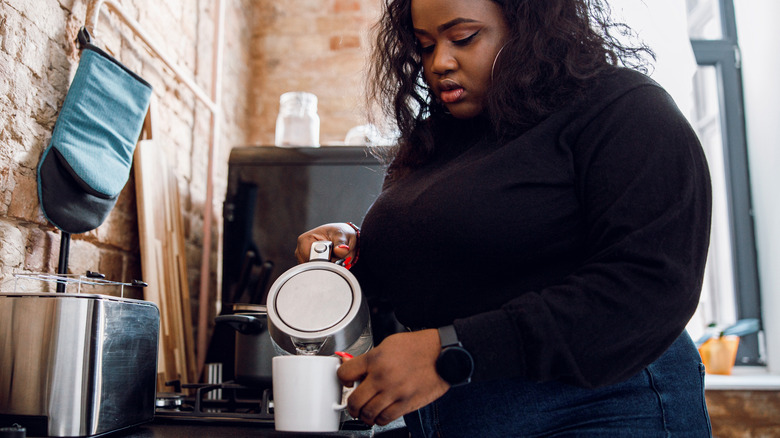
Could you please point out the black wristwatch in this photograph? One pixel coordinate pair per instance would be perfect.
(455, 365)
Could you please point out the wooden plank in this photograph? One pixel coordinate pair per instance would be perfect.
(149, 253)
(180, 259)
(178, 345)
(167, 327)
(163, 260)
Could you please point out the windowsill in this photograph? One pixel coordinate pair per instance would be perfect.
(743, 378)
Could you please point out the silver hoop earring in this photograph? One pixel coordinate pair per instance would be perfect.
(492, 69)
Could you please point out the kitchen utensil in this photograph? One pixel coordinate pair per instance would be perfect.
(307, 393)
(76, 364)
(253, 345)
(317, 308)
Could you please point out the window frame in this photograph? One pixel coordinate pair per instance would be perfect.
(724, 55)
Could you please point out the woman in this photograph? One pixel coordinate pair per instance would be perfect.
(542, 230)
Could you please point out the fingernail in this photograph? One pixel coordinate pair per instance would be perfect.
(343, 355)
(343, 246)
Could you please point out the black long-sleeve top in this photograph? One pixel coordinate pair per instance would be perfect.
(573, 252)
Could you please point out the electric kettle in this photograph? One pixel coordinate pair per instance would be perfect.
(318, 308)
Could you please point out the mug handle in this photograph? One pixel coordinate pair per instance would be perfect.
(345, 393)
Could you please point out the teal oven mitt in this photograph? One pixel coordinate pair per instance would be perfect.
(87, 162)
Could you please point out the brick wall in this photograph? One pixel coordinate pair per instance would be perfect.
(270, 47)
(317, 46)
(37, 61)
(744, 414)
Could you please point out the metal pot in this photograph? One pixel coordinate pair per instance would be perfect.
(318, 308)
(254, 348)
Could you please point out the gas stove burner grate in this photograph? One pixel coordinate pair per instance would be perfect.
(169, 400)
(240, 404)
(230, 405)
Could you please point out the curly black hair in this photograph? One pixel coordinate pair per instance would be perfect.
(555, 48)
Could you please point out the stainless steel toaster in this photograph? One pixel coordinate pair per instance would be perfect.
(77, 364)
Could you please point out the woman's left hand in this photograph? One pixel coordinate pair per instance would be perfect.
(397, 377)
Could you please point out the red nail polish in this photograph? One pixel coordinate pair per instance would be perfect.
(343, 355)
(343, 246)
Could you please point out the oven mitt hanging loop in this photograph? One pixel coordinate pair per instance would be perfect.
(88, 160)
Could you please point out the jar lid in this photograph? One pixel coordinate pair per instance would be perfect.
(299, 99)
(314, 300)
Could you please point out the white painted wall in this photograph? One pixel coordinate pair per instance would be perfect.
(759, 40)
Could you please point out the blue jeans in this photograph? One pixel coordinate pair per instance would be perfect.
(666, 399)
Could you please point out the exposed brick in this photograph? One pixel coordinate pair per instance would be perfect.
(33, 52)
(344, 42)
(270, 47)
(24, 200)
(120, 229)
(83, 256)
(318, 69)
(331, 24)
(11, 31)
(749, 414)
(5, 191)
(111, 265)
(42, 251)
(341, 6)
(12, 246)
(45, 17)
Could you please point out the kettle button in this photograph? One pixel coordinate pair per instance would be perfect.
(320, 247)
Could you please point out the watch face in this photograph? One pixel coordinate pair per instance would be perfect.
(455, 365)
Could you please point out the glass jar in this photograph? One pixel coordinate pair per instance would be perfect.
(298, 123)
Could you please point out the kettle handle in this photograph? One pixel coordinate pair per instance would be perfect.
(244, 324)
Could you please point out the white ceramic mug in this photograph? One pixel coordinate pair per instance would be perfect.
(307, 394)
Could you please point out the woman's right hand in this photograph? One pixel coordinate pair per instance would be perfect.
(343, 236)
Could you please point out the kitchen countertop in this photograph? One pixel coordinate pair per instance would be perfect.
(193, 429)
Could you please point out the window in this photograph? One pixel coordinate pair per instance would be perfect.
(704, 22)
(731, 288)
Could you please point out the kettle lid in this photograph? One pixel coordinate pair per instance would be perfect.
(318, 303)
(314, 300)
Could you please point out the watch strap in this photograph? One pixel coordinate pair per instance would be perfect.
(449, 337)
